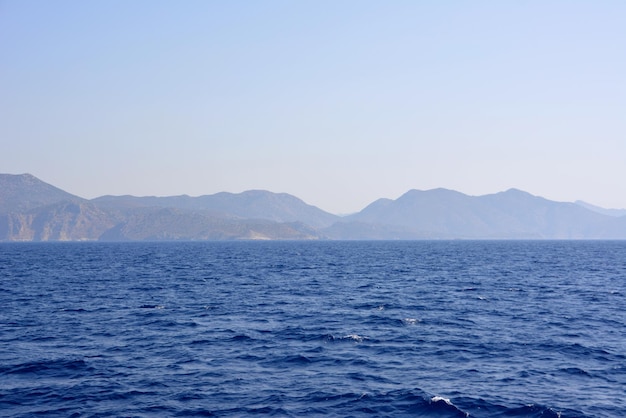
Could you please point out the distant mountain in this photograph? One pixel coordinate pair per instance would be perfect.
(63, 221)
(32, 210)
(171, 224)
(23, 192)
(513, 214)
(598, 209)
(253, 204)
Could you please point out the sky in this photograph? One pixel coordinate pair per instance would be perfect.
(336, 102)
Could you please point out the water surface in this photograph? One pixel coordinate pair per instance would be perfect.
(433, 329)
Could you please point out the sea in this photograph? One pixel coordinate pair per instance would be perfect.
(320, 328)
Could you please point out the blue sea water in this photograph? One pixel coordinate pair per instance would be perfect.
(415, 329)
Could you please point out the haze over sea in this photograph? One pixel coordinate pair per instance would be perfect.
(421, 328)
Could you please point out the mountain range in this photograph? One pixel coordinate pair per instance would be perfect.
(32, 210)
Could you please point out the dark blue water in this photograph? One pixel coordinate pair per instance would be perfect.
(420, 329)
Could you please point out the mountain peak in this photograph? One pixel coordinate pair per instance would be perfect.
(439, 191)
(22, 192)
(514, 190)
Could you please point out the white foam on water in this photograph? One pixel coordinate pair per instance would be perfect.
(439, 398)
(353, 337)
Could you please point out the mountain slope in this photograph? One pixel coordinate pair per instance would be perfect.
(609, 212)
(438, 213)
(253, 204)
(518, 213)
(63, 221)
(23, 192)
(513, 214)
(171, 224)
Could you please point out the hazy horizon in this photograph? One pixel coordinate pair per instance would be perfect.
(338, 104)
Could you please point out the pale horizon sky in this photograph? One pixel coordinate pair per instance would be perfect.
(338, 103)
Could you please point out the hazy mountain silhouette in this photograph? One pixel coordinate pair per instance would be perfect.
(32, 210)
(23, 192)
(513, 214)
(252, 204)
(609, 212)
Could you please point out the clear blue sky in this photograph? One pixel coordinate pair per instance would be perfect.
(336, 102)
